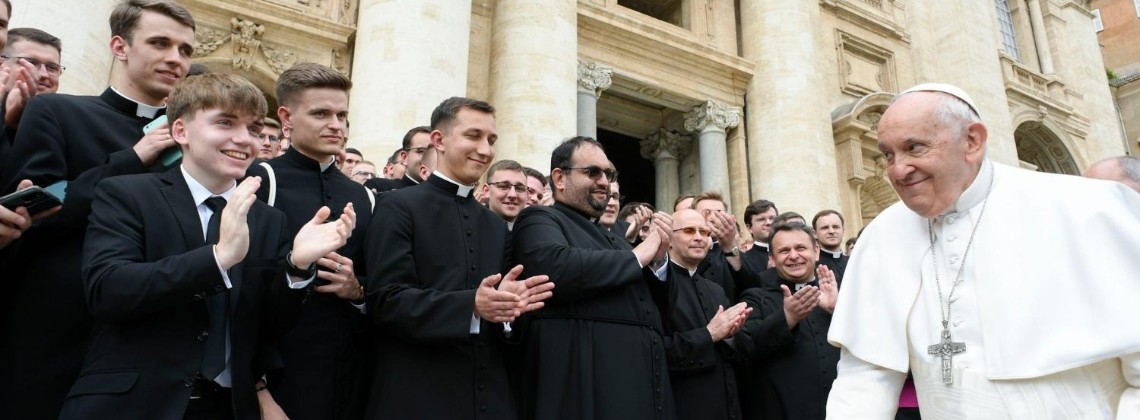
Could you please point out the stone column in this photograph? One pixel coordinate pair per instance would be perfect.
(710, 120)
(1040, 37)
(666, 148)
(592, 80)
(790, 146)
(410, 55)
(82, 25)
(534, 54)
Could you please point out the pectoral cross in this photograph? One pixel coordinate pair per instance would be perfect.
(946, 350)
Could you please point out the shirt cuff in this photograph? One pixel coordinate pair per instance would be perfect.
(297, 283)
(360, 307)
(225, 275)
(474, 324)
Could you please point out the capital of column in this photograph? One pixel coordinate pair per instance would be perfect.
(593, 77)
(664, 144)
(712, 114)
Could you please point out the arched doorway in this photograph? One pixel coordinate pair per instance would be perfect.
(1037, 145)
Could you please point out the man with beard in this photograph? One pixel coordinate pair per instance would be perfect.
(505, 190)
(439, 299)
(596, 351)
(45, 325)
(325, 354)
(416, 142)
(270, 139)
(700, 329)
(793, 365)
(828, 225)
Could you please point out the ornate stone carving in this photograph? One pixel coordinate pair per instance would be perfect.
(278, 59)
(246, 38)
(593, 77)
(712, 113)
(207, 40)
(665, 143)
(340, 60)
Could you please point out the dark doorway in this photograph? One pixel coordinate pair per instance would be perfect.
(635, 173)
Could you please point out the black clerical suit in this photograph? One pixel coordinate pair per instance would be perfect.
(701, 372)
(836, 261)
(716, 268)
(45, 323)
(595, 351)
(792, 370)
(326, 368)
(755, 260)
(428, 249)
(148, 273)
(382, 185)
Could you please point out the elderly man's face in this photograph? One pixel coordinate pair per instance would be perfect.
(689, 242)
(929, 163)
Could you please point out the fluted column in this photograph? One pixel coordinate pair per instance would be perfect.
(82, 25)
(789, 126)
(534, 57)
(592, 80)
(410, 55)
(1040, 38)
(666, 149)
(710, 120)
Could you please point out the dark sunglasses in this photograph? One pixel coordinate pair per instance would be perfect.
(595, 172)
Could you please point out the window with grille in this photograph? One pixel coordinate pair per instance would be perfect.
(1005, 26)
(1097, 23)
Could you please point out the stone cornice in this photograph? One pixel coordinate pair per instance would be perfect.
(712, 114)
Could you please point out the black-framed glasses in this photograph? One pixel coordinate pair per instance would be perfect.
(54, 69)
(693, 230)
(365, 174)
(616, 196)
(418, 150)
(269, 137)
(507, 185)
(596, 172)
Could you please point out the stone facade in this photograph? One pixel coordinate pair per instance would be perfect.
(1118, 39)
(755, 98)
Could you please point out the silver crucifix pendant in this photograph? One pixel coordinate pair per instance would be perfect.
(946, 350)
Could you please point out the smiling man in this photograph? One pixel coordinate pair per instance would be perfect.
(1007, 293)
(45, 324)
(505, 189)
(828, 225)
(33, 58)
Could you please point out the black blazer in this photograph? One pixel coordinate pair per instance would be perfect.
(147, 271)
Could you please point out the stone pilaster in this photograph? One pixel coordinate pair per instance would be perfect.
(710, 120)
(1040, 37)
(410, 55)
(790, 146)
(666, 149)
(534, 54)
(82, 25)
(592, 80)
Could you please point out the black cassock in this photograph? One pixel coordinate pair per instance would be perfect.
(428, 249)
(716, 268)
(793, 369)
(325, 356)
(45, 326)
(701, 371)
(836, 261)
(755, 260)
(596, 350)
(382, 185)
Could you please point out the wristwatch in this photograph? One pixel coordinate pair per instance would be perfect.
(734, 253)
(302, 273)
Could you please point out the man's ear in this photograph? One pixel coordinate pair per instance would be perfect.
(424, 173)
(119, 48)
(285, 115)
(557, 180)
(437, 141)
(976, 137)
(178, 132)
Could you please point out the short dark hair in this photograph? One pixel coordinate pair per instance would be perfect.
(395, 157)
(707, 195)
(447, 110)
(630, 207)
(791, 227)
(683, 197)
(308, 76)
(758, 207)
(407, 143)
(503, 165)
(125, 16)
(534, 173)
(784, 217)
(562, 154)
(196, 69)
(34, 35)
(270, 122)
(825, 213)
(354, 151)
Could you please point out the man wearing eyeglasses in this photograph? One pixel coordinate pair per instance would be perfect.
(596, 350)
(416, 142)
(365, 170)
(505, 190)
(38, 53)
(270, 138)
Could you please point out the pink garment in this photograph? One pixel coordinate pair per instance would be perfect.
(908, 398)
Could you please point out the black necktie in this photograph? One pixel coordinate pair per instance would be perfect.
(214, 361)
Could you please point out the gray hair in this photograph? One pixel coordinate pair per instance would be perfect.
(1130, 165)
(952, 111)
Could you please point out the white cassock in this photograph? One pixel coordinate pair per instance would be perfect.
(1049, 306)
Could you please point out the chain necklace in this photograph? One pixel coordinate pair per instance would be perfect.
(947, 347)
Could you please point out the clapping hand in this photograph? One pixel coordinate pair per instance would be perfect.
(727, 322)
(318, 237)
(828, 289)
(799, 306)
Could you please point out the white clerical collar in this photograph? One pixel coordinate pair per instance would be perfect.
(143, 110)
(462, 191)
(325, 166)
(804, 284)
(977, 190)
(761, 244)
(199, 192)
(834, 254)
(409, 177)
(692, 272)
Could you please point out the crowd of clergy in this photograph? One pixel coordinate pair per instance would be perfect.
(208, 262)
